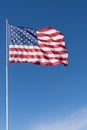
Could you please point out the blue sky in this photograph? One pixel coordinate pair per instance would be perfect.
(42, 97)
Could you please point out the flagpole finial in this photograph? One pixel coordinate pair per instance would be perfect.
(6, 19)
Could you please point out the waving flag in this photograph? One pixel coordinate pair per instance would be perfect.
(43, 47)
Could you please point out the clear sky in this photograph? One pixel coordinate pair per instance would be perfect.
(42, 97)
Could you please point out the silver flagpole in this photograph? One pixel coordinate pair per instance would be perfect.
(7, 120)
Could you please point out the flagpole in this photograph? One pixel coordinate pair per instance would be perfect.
(7, 118)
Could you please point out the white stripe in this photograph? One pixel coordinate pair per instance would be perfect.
(48, 32)
(58, 37)
(65, 62)
(38, 54)
(38, 48)
(53, 37)
(24, 46)
(52, 43)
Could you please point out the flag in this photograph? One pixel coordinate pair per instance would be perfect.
(43, 47)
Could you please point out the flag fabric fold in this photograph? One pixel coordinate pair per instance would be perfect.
(43, 47)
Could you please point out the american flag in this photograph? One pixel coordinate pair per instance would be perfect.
(43, 47)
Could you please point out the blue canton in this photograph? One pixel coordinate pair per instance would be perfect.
(22, 36)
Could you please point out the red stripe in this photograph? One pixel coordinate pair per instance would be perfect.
(52, 46)
(24, 49)
(51, 40)
(40, 63)
(36, 56)
(45, 29)
(36, 50)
